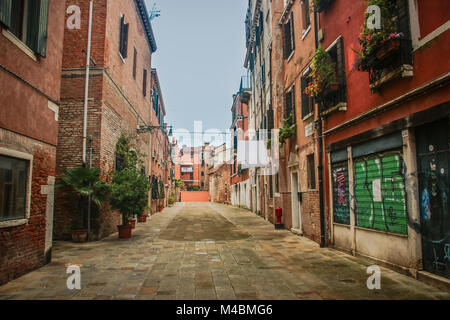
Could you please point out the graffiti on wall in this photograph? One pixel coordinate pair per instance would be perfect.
(341, 194)
(380, 194)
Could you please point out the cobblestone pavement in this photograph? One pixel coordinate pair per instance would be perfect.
(210, 251)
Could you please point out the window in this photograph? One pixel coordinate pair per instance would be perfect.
(311, 171)
(13, 188)
(203, 174)
(134, 64)
(306, 21)
(28, 21)
(144, 83)
(290, 104)
(338, 56)
(123, 37)
(263, 73)
(307, 101)
(288, 34)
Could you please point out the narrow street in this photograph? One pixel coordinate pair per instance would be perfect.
(210, 251)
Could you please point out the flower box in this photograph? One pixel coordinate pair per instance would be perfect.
(387, 48)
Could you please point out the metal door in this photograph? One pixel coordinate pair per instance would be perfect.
(433, 152)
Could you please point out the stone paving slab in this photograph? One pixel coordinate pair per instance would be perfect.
(210, 251)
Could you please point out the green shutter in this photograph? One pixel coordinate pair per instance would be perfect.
(5, 12)
(43, 27)
(387, 210)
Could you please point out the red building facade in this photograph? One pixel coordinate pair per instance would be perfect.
(30, 82)
(386, 137)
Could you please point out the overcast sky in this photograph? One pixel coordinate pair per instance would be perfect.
(200, 57)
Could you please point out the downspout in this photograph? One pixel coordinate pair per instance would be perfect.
(320, 164)
(86, 90)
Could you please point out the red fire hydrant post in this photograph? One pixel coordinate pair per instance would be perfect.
(279, 214)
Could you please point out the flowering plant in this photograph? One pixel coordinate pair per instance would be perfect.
(323, 73)
(312, 89)
(371, 38)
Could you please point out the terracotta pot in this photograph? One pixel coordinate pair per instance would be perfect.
(79, 236)
(161, 209)
(388, 48)
(143, 219)
(132, 223)
(125, 231)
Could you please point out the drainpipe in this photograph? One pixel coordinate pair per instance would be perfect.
(86, 90)
(320, 164)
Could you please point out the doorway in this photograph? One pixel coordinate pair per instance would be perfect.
(295, 204)
(433, 159)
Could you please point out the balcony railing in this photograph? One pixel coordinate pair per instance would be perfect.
(246, 83)
(392, 59)
(245, 89)
(335, 100)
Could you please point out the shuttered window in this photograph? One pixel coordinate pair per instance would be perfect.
(380, 195)
(289, 38)
(134, 64)
(290, 104)
(123, 37)
(144, 83)
(28, 21)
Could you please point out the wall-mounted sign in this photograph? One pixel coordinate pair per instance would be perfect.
(309, 129)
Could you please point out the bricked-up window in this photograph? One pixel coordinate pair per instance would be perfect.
(307, 101)
(289, 37)
(13, 188)
(28, 21)
(290, 104)
(311, 171)
(144, 83)
(306, 21)
(134, 64)
(123, 37)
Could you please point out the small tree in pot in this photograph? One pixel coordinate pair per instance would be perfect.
(129, 188)
(129, 195)
(84, 182)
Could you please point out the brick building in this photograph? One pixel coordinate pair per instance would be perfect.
(240, 179)
(30, 81)
(387, 135)
(160, 147)
(219, 175)
(191, 166)
(297, 184)
(119, 97)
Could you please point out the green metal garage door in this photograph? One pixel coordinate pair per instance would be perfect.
(380, 198)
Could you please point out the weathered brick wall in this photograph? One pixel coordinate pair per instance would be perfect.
(22, 248)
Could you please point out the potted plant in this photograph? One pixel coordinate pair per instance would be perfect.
(171, 200)
(143, 218)
(85, 183)
(323, 75)
(79, 233)
(129, 191)
(288, 130)
(129, 188)
(378, 44)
